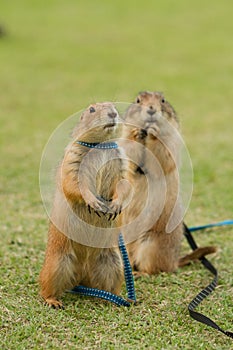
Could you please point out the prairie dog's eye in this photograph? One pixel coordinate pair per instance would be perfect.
(163, 100)
(138, 100)
(92, 110)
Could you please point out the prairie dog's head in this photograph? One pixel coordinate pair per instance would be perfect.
(98, 123)
(148, 108)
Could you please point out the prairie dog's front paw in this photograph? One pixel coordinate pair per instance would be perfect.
(153, 131)
(139, 134)
(95, 203)
(114, 209)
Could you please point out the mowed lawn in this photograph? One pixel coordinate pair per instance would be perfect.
(55, 59)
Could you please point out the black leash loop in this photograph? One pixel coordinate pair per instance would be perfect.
(206, 291)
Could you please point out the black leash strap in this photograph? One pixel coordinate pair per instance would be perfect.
(206, 291)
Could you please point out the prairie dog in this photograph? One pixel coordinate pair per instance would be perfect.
(88, 196)
(153, 122)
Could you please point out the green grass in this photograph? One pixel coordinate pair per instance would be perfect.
(57, 57)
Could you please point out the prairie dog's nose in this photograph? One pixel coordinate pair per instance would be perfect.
(151, 110)
(112, 115)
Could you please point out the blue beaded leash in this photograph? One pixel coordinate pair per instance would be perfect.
(98, 145)
(220, 223)
(129, 281)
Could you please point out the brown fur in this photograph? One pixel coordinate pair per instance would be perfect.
(67, 262)
(152, 122)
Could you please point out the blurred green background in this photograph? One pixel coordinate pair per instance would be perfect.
(56, 57)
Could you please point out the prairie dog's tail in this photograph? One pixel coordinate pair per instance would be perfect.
(196, 254)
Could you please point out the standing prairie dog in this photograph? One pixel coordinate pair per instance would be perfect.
(152, 122)
(88, 196)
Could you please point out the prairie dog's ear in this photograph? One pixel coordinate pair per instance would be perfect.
(92, 109)
(159, 92)
(140, 96)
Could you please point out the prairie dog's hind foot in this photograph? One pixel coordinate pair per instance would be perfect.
(139, 274)
(54, 303)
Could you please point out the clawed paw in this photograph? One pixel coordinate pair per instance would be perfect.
(114, 210)
(96, 212)
(139, 134)
(153, 131)
(139, 274)
(101, 206)
(98, 206)
(54, 303)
